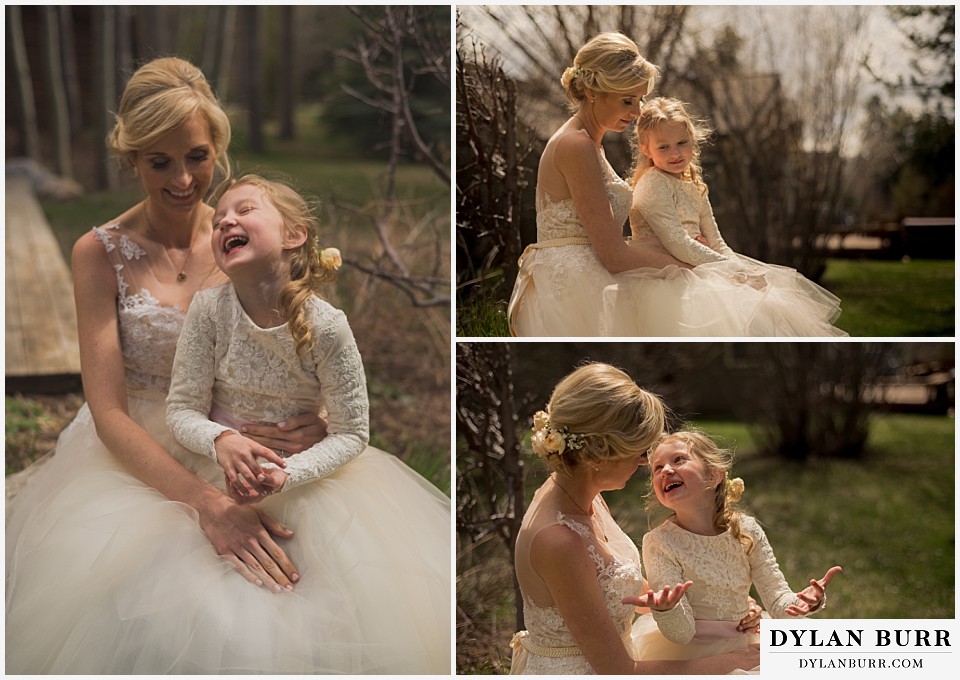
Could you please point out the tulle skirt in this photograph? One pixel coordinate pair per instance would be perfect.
(106, 575)
(566, 291)
(711, 638)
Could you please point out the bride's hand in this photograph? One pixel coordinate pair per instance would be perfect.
(665, 600)
(244, 536)
(295, 434)
(813, 597)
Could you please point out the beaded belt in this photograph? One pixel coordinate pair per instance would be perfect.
(555, 242)
(522, 639)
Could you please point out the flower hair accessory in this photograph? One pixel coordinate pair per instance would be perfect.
(548, 439)
(733, 487)
(329, 258)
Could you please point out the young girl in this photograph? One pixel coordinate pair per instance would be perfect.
(725, 294)
(722, 551)
(372, 536)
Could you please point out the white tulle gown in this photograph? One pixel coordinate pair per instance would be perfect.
(106, 575)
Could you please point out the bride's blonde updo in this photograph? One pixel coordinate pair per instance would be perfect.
(609, 62)
(596, 414)
(160, 96)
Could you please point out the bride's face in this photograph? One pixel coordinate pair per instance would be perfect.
(177, 170)
(614, 474)
(616, 111)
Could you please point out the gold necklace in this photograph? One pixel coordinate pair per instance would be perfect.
(182, 274)
(580, 508)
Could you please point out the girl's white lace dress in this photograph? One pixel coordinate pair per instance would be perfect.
(724, 295)
(705, 622)
(547, 647)
(106, 575)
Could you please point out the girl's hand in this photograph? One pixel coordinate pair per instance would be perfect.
(751, 622)
(813, 597)
(271, 481)
(295, 434)
(665, 600)
(237, 455)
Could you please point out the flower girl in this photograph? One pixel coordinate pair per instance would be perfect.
(373, 537)
(721, 550)
(724, 294)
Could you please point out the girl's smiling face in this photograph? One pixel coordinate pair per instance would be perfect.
(246, 228)
(670, 147)
(679, 478)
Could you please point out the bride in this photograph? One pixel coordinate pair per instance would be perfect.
(579, 573)
(582, 204)
(122, 554)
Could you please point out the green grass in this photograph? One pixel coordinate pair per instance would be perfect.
(483, 315)
(877, 299)
(888, 520)
(893, 299)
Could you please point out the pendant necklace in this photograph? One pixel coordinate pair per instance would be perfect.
(181, 274)
(580, 508)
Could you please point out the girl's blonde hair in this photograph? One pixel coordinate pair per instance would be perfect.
(308, 270)
(608, 63)
(664, 110)
(726, 514)
(160, 96)
(600, 414)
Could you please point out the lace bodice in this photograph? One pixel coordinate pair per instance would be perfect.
(559, 219)
(619, 575)
(721, 572)
(228, 366)
(148, 328)
(673, 212)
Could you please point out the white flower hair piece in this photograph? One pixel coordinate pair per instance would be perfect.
(548, 439)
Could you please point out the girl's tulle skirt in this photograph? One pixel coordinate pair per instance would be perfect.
(711, 638)
(739, 298)
(106, 575)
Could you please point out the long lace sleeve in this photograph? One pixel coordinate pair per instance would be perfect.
(191, 387)
(663, 568)
(772, 587)
(709, 228)
(655, 202)
(339, 370)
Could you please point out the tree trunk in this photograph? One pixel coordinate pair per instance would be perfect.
(105, 93)
(30, 137)
(58, 92)
(286, 105)
(71, 77)
(251, 34)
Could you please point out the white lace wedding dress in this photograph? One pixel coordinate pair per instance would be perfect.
(547, 647)
(705, 622)
(106, 575)
(559, 289)
(715, 298)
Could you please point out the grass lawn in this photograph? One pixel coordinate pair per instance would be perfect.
(888, 520)
(893, 299)
(877, 299)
